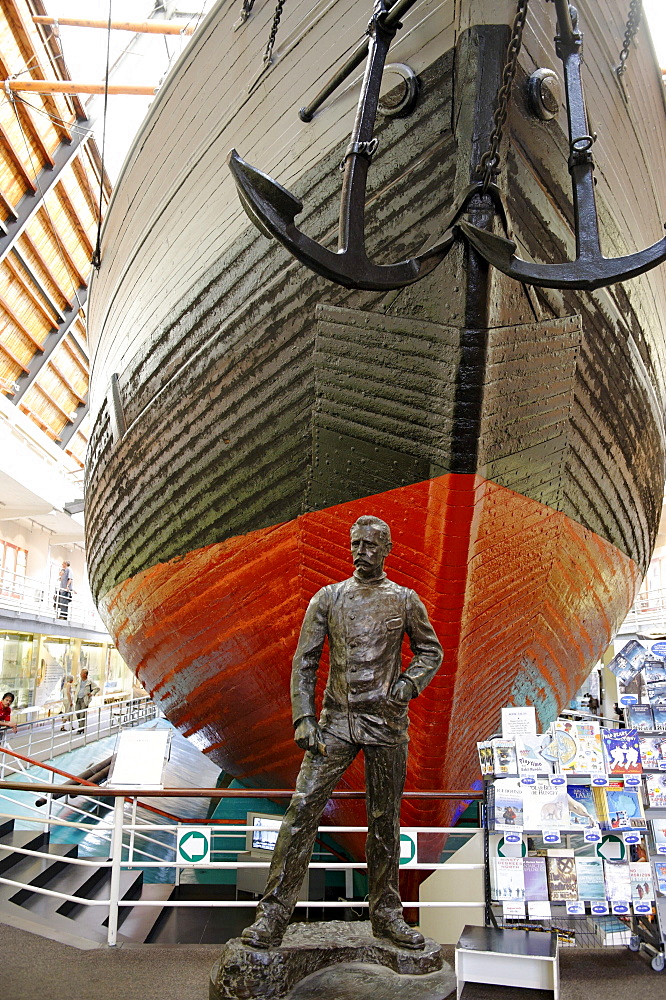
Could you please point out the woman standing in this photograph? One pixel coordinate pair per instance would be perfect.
(5, 715)
(67, 702)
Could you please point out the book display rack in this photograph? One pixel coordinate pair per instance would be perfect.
(575, 833)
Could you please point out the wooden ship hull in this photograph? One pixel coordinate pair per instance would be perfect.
(513, 438)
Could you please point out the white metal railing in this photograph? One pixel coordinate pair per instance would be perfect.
(44, 599)
(122, 827)
(46, 738)
(648, 612)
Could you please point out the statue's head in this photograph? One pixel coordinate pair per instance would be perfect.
(370, 544)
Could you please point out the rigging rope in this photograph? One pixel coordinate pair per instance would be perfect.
(97, 253)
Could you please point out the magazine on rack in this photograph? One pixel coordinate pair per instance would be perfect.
(582, 809)
(658, 827)
(654, 669)
(622, 751)
(653, 750)
(579, 746)
(536, 882)
(546, 806)
(640, 876)
(562, 881)
(624, 809)
(655, 786)
(508, 882)
(659, 714)
(507, 806)
(640, 717)
(629, 661)
(660, 876)
(618, 883)
(590, 874)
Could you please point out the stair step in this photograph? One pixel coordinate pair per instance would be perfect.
(29, 840)
(140, 920)
(76, 880)
(130, 888)
(6, 826)
(41, 871)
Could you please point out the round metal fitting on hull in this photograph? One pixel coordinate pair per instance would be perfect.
(544, 94)
(400, 91)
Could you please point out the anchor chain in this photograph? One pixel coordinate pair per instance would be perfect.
(633, 24)
(489, 165)
(268, 54)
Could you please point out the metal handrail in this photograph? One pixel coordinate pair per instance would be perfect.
(32, 596)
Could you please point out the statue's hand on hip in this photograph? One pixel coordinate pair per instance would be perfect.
(309, 736)
(402, 690)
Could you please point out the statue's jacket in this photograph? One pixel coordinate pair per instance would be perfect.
(365, 623)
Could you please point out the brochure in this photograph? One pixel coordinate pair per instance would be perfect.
(508, 804)
(618, 883)
(562, 881)
(590, 874)
(622, 751)
(653, 750)
(629, 661)
(658, 827)
(582, 810)
(536, 883)
(654, 669)
(659, 714)
(518, 721)
(546, 806)
(655, 785)
(640, 875)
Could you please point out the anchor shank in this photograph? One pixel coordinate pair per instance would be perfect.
(351, 231)
(581, 162)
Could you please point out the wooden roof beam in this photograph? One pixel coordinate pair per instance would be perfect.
(27, 286)
(19, 323)
(63, 248)
(17, 161)
(75, 218)
(9, 209)
(53, 340)
(46, 269)
(12, 357)
(76, 87)
(81, 363)
(27, 119)
(65, 381)
(52, 401)
(136, 27)
(32, 200)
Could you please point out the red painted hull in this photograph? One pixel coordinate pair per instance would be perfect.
(523, 599)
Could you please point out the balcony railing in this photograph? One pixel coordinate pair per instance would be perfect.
(44, 600)
(648, 613)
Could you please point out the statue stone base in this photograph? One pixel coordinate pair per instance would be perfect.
(244, 973)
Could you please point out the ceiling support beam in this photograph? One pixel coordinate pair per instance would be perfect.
(47, 178)
(53, 340)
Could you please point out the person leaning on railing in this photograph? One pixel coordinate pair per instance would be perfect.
(5, 715)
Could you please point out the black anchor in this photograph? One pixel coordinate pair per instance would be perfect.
(591, 269)
(272, 208)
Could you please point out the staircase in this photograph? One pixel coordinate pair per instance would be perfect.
(66, 920)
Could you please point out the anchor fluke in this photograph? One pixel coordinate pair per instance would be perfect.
(586, 273)
(262, 197)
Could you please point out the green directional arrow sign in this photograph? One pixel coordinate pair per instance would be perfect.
(408, 848)
(193, 845)
(611, 848)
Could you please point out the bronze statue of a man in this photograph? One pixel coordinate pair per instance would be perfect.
(365, 708)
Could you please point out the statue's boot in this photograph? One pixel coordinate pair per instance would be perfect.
(393, 927)
(268, 929)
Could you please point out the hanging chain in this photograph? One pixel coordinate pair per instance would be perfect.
(246, 10)
(268, 54)
(633, 24)
(489, 164)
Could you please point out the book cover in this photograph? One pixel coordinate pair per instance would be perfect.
(629, 661)
(508, 804)
(504, 756)
(640, 876)
(625, 809)
(536, 882)
(618, 883)
(655, 786)
(582, 809)
(546, 806)
(528, 752)
(562, 881)
(658, 828)
(590, 875)
(640, 717)
(589, 750)
(482, 749)
(622, 751)
(653, 750)
(564, 737)
(657, 693)
(660, 876)
(509, 882)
